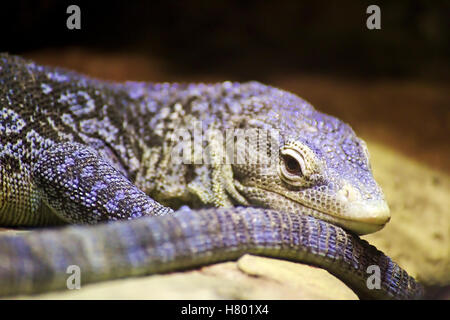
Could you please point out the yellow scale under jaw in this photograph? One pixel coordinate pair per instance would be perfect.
(359, 216)
(362, 217)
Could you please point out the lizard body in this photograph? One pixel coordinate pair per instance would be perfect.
(79, 150)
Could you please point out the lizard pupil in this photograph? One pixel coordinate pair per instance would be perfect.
(292, 165)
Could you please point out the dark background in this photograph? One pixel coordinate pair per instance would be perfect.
(250, 37)
(391, 84)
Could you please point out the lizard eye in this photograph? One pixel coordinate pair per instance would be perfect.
(292, 166)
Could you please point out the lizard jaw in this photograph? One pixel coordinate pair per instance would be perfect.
(360, 227)
(360, 217)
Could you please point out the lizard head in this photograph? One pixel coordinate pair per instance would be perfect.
(308, 162)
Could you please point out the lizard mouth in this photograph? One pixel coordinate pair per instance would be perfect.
(359, 217)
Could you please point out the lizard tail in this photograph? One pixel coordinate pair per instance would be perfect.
(41, 261)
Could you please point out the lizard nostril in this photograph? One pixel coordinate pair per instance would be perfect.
(349, 193)
(346, 193)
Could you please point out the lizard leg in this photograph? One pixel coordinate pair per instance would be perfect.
(82, 187)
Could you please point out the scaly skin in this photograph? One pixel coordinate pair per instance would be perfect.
(78, 150)
(194, 238)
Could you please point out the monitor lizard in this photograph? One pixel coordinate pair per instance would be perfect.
(153, 161)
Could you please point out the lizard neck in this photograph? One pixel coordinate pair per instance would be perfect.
(171, 124)
(160, 118)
